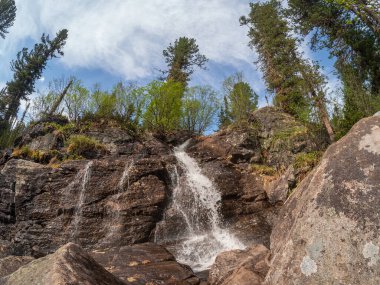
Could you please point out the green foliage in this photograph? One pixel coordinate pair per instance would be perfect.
(27, 69)
(7, 16)
(239, 100)
(131, 102)
(263, 169)
(181, 59)
(279, 61)
(76, 101)
(307, 160)
(81, 145)
(164, 110)
(199, 107)
(350, 31)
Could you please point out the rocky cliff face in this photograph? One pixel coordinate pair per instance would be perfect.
(116, 198)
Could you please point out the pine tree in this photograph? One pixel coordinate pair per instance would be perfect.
(344, 28)
(27, 69)
(181, 58)
(297, 84)
(240, 100)
(7, 16)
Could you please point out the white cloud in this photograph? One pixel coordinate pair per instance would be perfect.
(126, 37)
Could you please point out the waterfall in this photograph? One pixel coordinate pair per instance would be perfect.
(78, 210)
(114, 226)
(197, 200)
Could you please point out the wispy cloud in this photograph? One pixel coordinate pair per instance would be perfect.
(126, 37)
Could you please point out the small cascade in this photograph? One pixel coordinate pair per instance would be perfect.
(78, 212)
(114, 227)
(196, 201)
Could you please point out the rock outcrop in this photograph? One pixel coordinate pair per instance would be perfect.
(240, 267)
(116, 198)
(69, 265)
(11, 263)
(245, 163)
(329, 228)
(146, 263)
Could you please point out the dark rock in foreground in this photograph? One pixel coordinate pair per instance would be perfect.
(68, 265)
(329, 231)
(146, 263)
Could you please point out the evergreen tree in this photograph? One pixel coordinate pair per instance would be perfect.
(297, 84)
(240, 100)
(7, 16)
(345, 29)
(181, 58)
(27, 69)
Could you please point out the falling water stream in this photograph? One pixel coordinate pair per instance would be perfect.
(116, 224)
(197, 200)
(78, 212)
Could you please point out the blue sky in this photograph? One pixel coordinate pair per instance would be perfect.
(118, 40)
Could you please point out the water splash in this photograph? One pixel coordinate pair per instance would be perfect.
(79, 208)
(197, 201)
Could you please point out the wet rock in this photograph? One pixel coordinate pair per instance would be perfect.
(68, 265)
(145, 263)
(240, 267)
(329, 230)
(10, 264)
(39, 205)
(270, 141)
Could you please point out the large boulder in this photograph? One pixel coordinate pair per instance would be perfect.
(329, 228)
(68, 265)
(146, 263)
(240, 267)
(11, 263)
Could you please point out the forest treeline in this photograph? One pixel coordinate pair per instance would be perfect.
(349, 30)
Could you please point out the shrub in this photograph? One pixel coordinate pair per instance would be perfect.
(307, 160)
(87, 147)
(263, 169)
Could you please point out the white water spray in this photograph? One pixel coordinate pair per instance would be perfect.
(78, 211)
(197, 200)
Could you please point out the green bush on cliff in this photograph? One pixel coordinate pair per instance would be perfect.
(84, 146)
(307, 160)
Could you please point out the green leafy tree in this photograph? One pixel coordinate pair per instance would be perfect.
(199, 107)
(76, 101)
(7, 16)
(102, 104)
(163, 112)
(297, 84)
(181, 58)
(241, 100)
(131, 102)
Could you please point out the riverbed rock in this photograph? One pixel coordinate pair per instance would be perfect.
(11, 263)
(146, 263)
(329, 230)
(68, 265)
(240, 267)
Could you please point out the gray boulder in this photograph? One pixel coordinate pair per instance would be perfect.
(329, 228)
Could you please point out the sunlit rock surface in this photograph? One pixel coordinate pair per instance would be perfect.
(329, 231)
